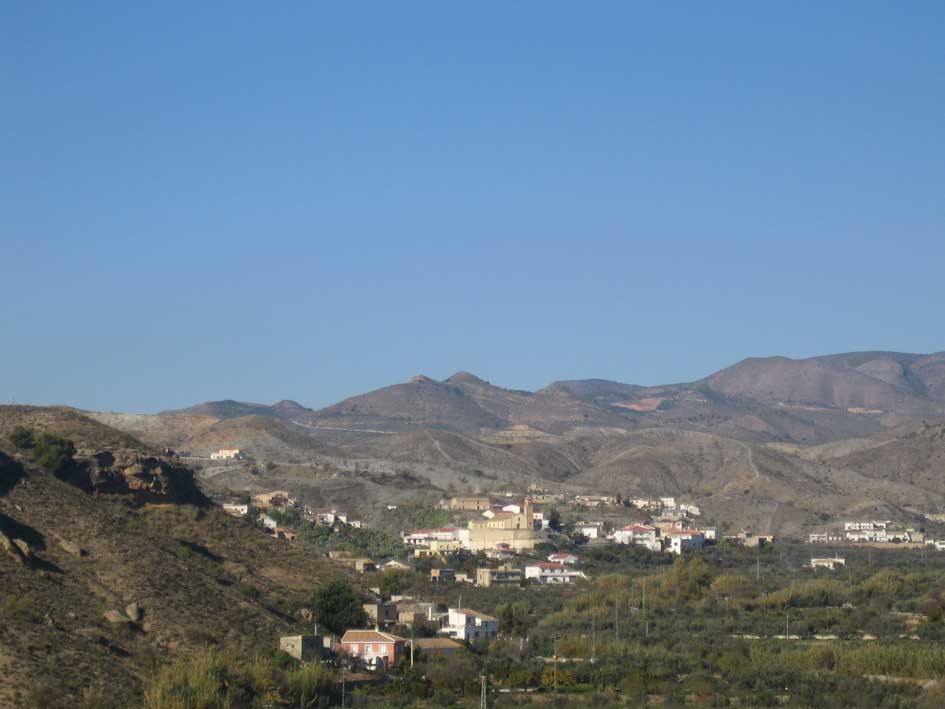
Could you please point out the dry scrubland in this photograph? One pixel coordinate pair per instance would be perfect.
(196, 575)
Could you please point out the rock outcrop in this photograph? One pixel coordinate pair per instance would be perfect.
(13, 549)
(147, 478)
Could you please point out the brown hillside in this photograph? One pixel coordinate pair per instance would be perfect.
(197, 575)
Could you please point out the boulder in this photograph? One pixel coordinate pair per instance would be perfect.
(72, 548)
(23, 547)
(133, 611)
(13, 551)
(115, 617)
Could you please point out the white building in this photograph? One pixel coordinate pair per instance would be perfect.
(423, 537)
(268, 522)
(552, 573)
(828, 563)
(641, 534)
(563, 558)
(680, 540)
(235, 509)
(668, 503)
(711, 534)
(591, 530)
(466, 624)
(226, 454)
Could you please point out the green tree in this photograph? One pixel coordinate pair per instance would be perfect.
(338, 607)
(22, 438)
(554, 520)
(53, 452)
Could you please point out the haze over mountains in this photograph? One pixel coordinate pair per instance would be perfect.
(775, 443)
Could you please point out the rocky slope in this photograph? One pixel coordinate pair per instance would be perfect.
(100, 584)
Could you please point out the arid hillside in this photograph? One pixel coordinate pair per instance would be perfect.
(97, 589)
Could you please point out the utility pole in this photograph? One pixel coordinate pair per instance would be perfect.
(593, 638)
(411, 646)
(616, 618)
(787, 623)
(555, 658)
(342, 693)
(646, 621)
(758, 566)
(483, 701)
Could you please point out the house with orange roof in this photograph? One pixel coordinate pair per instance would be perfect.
(375, 648)
(680, 540)
(641, 534)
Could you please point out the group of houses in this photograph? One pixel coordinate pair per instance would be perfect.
(371, 649)
(266, 503)
(500, 531)
(871, 532)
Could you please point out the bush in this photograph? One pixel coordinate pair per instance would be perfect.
(53, 452)
(19, 608)
(250, 591)
(22, 438)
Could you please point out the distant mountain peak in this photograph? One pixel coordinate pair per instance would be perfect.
(464, 378)
(422, 379)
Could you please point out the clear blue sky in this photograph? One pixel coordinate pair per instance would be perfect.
(290, 200)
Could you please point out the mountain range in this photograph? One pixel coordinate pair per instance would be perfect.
(771, 399)
(773, 442)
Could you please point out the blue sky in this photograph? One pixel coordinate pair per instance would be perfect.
(232, 200)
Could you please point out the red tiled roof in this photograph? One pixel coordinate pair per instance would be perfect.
(638, 528)
(370, 636)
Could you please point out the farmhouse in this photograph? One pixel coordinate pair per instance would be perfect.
(377, 649)
(502, 576)
(680, 540)
(226, 454)
(548, 572)
(466, 624)
(563, 558)
(641, 534)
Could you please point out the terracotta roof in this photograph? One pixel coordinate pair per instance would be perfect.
(370, 636)
(638, 528)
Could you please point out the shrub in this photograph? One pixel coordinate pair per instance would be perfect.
(22, 438)
(19, 608)
(53, 452)
(250, 591)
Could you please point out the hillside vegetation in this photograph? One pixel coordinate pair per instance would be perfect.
(98, 590)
